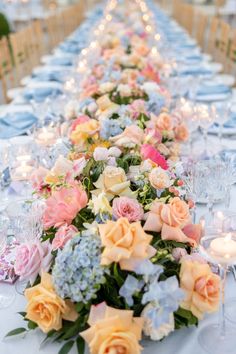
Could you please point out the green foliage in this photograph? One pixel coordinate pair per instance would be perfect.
(4, 26)
(16, 332)
(184, 318)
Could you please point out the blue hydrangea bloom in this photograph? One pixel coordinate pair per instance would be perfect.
(109, 128)
(77, 273)
(129, 288)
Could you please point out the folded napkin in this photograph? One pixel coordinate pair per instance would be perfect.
(50, 76)
(61, 61)
(195, 71)
(213, 89)
(39, 94)
(17, 123)
(70, 48)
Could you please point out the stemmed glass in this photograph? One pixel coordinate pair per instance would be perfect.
(205, 115)
(4, 158)
(230, 175)
(223, 110)
(219, 249)
(7, 294)
(26, 224)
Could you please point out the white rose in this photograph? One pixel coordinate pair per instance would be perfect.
(100, 154)
(62, 166)
(159, 179)
(124, 90)
(156, 333)
(114, 151)
(106, 87)
(100, 204)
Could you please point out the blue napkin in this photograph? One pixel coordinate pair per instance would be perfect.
(211, 90)
(70, 48)
(50, 76)
(39, 94)
(195, 71)
(17, 123)
(61, 61)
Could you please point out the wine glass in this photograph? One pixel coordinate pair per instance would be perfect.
(4, 159)
(26, 225)
(7, 293)
(205, 115)
(223, 110)
(230, 174)
(219, 249)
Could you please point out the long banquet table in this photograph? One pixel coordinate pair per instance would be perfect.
(183, 341)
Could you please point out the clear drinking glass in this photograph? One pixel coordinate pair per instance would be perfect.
(223, 110)
(7, 293)
(205, 115)
(219, 249)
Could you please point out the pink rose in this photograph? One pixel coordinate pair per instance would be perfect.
(131, 136)
(63, 205)
(153, 136)
(32, 258)
(150, 73)
(80, 120)
(193, 231)
(178, 253)
(149, 152)
(37, 178)
(63, 235)
(137, 107)
(181, 132)
(128, 208)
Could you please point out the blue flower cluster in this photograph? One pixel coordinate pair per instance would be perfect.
(112, 127)
(155, 103)
(77, 273)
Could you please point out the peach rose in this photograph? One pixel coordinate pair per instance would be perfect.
(175, 213)
(113, 331)
(164, 121)
(181, 132)
(106, 107)
(113, 182)
(85, 130)
(202, 288)
(169, 219)
(46, 308)
(130, 137)
(159, 178)
(125, 243)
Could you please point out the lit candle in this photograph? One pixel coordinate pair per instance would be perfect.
(223, 249)
(22, 172)
(45, 137)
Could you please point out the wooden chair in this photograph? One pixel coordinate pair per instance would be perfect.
(212, 36)
(200, 28)
(222, 43)
(231, 60)
(7, 78)
(187, 17)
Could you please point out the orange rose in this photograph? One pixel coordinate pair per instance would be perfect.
(125, 243)
(113, 331)
(85, 130)
(130, 137)
(46, 308)
(201, 286)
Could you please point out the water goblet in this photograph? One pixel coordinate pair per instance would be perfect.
(7, 293)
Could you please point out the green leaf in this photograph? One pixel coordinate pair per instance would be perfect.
(80, 345)
(16, 331)
(32, 325)
(23, 314)
(79, 306)
(66, 347)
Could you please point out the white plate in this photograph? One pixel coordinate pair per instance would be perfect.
(212, 97)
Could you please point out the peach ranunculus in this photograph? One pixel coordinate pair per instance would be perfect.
(84, 131)
(181, 132)
(131, 136)
(113, 331)
(164, 121)
(125, 243)
(46, 308)
(159, 178)
(113, 182)
(169, 219)
(106, 107)
(63, 205)
(202, 288)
